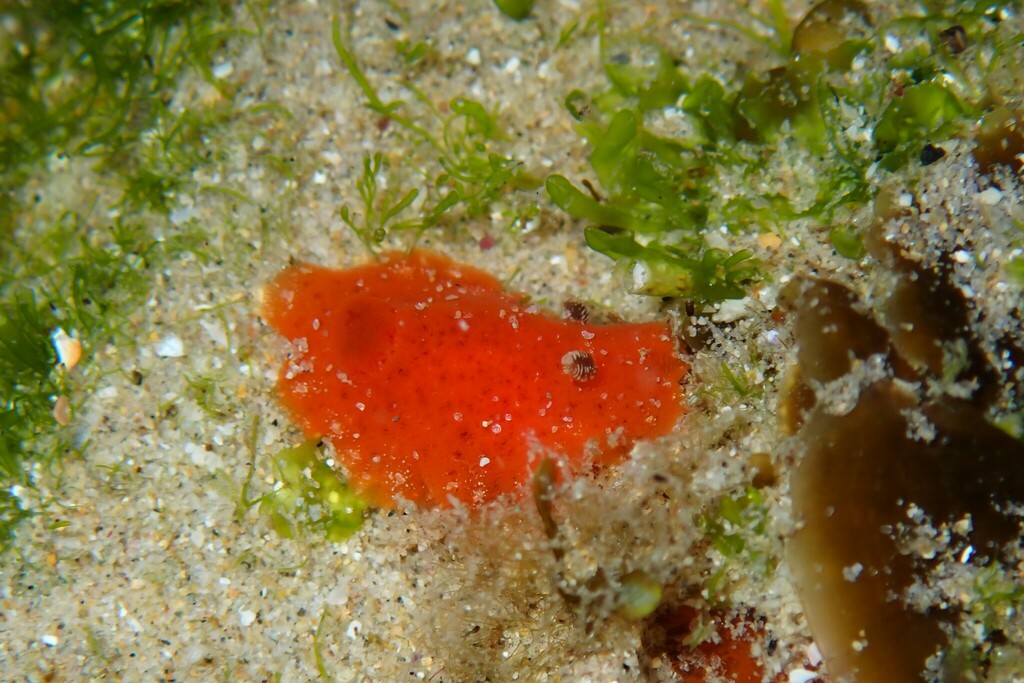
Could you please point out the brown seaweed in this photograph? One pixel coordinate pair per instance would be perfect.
(894, 464)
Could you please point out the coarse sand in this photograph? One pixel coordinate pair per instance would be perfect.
(144, 563)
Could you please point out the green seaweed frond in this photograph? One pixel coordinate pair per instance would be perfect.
(207, 392)
(847, 95)
(378, 213)
(464, 170)
(657, 205)
(12, 513)
(311, 495)
(653, 205)
(666, 270)
(996, 591)
(318, 655)
(93, 78)
(515, 9)
(847, 242)
(730, 529)
(989, 634)
(28, 384)
(1014, 269)
(417, 53)
(85, 72)
(85, 286)
(86, 281)
(155, 166)
(577, 28)
(770, 29)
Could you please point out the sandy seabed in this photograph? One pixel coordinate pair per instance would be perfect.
(156, 571)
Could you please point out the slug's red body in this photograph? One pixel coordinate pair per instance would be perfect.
(434, 384)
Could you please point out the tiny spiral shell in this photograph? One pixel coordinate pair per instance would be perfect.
(576, 311)
(579, 365)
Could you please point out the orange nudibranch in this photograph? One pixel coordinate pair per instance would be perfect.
(436, 385)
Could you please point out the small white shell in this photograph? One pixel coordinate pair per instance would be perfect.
(579, 365)
(62, 411)
(69, 349)
(171, 346)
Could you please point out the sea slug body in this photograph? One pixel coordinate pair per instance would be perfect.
(435, 385)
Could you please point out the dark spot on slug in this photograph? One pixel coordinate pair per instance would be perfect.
(579, 365)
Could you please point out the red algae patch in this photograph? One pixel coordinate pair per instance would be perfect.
(436, 385)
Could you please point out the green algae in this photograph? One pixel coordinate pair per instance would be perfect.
(88, 83)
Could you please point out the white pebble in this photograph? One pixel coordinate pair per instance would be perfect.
(853, 571)
(49, 640)
(223, 70)
(246, 617)
(182, 215)
(354, 628)
(731, 310)
(323, 68)
(801, 676)
(338, 596)
(473, 56)
(216, 332)
(21, 493)
(170, 346)
(641, 274)
(991, 196)
(485, 461)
